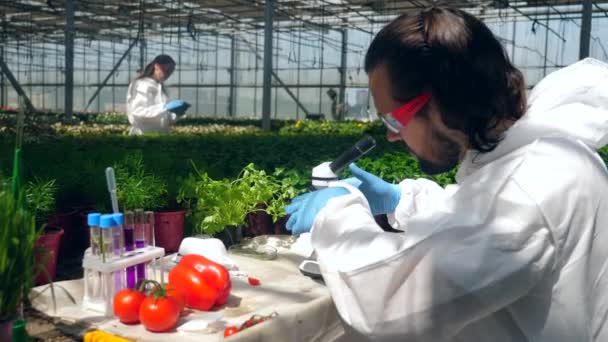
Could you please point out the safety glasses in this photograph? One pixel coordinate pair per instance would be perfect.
(401, 116)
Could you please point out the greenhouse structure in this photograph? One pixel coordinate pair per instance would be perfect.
(304, 170)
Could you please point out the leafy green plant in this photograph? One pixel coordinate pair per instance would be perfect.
(18, 235)
(291, 184)
(216, 204)
(135, 187)
(40, 198)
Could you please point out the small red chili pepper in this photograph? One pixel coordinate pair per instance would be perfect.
(253, 281)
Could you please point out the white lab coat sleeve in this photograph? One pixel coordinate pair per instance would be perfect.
(448, 270)
(142, 102)
(417, 196)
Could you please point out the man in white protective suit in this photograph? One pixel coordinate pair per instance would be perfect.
(517, 250)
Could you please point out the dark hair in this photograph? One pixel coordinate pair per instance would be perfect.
(160, 59)
(456, 57)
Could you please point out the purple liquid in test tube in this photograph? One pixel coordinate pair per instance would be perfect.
(130, 246)
(140, 240)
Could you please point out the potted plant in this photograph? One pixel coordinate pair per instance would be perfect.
(291, 184)
(269, 194)
(137, 189)
(217, 207)
(222, 207)
(18, 236)
(40, 199)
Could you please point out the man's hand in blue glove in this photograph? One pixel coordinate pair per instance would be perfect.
(304, 209)
(382, 196)
(178, 107)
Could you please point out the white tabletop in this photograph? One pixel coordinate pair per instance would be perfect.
(304, 306)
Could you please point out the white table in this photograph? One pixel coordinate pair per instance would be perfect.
(304, 306)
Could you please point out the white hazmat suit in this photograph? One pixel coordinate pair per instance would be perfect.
(517, 250)
(146, 99)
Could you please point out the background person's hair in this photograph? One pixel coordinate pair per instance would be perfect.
(160, 59)
(456, 57)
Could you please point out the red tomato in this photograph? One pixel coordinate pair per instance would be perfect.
(214, 274)
(177, 295)
(230, 331)
(126, 305)
(158, 314)
(198, 294)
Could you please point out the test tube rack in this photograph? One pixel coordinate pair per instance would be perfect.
(95, 268)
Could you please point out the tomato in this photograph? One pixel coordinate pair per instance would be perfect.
(253, 281)
(197, 293)
(230, 331)
(126, 305)
(158, 314)
(214, 274)
(177, 295)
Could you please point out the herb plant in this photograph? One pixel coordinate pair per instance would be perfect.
(135, 188)
(18, 235)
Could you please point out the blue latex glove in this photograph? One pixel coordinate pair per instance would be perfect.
(178, 107)
(382, 196)
(304, 209)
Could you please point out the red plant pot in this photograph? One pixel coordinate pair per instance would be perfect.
(67, 222)
(169, 229)
(47, 250)
(6, 330)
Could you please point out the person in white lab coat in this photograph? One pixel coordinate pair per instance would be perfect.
(517, 250)
(148, 107)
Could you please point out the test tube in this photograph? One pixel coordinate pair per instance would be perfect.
(118, 240)
(93, 278)
(129, 246)
(149, 224)
(94, 232)
(106, 241)
(140, 240)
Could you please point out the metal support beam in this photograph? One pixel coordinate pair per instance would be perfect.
(142, 54)
(233, 64)
(2, 99)
(103, 84)
(69, 57)
(6, 71)
(585, 29)
(343, 66)
(267, 78)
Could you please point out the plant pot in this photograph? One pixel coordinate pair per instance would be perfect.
(6, 330)
(279, 226)
(231, 235)
(169, 229)
(258, 222)
(72, 235)
(19, 332)
(47, 250)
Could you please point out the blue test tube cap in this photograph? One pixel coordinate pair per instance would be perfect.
(93, 219)
(118, 218)
(106, 221)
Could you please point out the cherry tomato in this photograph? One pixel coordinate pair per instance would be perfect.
(177, 295)
(230, 331)
(126, 305)
(214, 274)
(158, 314)
(197, 293)
(253, 281)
